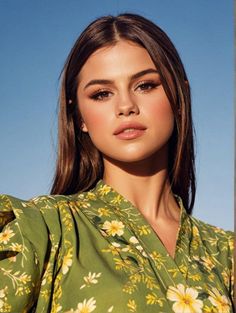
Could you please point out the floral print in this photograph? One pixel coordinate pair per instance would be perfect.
(6, 235)
(113, 228)
(85, 307)
(2, 296)
(219, 301)
(90, 279)
(185, 299)
(95, 252)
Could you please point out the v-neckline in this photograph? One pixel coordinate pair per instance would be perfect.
(107, 193)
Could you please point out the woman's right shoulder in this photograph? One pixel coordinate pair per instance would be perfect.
(10, 205)
(37, 220)
(15, 208)
(37, 214)
(30, 233)
(35, 223)
(36, 211)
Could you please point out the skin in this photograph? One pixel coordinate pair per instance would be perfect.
(135, 168)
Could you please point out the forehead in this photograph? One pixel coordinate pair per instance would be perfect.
(124, 57)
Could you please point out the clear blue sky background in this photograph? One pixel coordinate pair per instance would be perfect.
(36, 37)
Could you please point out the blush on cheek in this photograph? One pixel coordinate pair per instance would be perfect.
(163, 111)
(93, 122)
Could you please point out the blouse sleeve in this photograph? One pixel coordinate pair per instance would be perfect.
(231, 262)
(23, 246)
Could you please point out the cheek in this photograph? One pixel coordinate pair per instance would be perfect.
(161, 112)
(94, 119)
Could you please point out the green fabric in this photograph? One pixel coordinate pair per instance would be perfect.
(94, 252)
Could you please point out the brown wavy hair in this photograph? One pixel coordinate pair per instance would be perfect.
(79, 164)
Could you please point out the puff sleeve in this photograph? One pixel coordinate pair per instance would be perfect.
(23, 249)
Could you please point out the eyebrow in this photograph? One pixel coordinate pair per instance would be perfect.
(107, 81)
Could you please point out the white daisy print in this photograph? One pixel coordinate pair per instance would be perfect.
(113, 228)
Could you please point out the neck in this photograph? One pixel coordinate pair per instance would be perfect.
(145, 184)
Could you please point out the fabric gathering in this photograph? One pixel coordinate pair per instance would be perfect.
(97, 246)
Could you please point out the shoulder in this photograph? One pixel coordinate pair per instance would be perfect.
(34, 205)
(24, 209)
(215, 240)
(45, 211)
(212, 231)
(35, 219)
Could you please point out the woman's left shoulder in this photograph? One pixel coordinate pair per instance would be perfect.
(214, 236)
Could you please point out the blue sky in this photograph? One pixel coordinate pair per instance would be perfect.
(36, 37)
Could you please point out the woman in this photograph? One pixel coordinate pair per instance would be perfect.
(119, 237)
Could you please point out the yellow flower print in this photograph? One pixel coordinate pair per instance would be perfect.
(226, 277)
(231, 244)
(67, 262)
(24, 278)
(144, 230)
(104, 190)
(113, 228)
(132, 306)
(183, 269)
(2, 295)
(194, 277)
(185, 299)
(122, 264)
(6, 235)
(90, 279)
(195, 231)
(117, 200)
(103, 212)
(154, 299)
(212, 241)
(219, 301)
(114, 248)
(91, 196)
(207, 262)
(57, 308)
(16, 247)
(158, 257)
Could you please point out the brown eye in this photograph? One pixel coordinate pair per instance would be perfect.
(147, 86)
(101, 95)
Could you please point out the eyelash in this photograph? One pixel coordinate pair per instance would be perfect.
(145, 87)
(148, 84)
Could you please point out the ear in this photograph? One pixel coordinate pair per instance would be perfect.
(84, 127)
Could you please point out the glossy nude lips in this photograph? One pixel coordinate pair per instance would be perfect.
(130, 130)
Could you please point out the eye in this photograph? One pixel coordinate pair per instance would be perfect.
(147, 85)
(101, 95)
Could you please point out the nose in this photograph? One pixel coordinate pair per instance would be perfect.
(126, 105)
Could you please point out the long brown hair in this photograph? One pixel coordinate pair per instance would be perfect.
(79, 163)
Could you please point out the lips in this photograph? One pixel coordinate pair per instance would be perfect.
(129, 130)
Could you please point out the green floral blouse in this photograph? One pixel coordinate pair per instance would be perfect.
(94, 252)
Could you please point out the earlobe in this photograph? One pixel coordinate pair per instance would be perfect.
(84, 127)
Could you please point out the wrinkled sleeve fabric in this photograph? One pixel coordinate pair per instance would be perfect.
(23, 250)
(231, 243)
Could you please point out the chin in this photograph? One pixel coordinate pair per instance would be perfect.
(133, 157)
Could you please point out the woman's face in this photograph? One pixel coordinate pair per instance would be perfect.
(123, 105)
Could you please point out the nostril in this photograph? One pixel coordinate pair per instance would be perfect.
(127, 113)
(131, 112)
(126, 108)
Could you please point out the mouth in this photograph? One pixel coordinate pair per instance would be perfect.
(130, 130)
